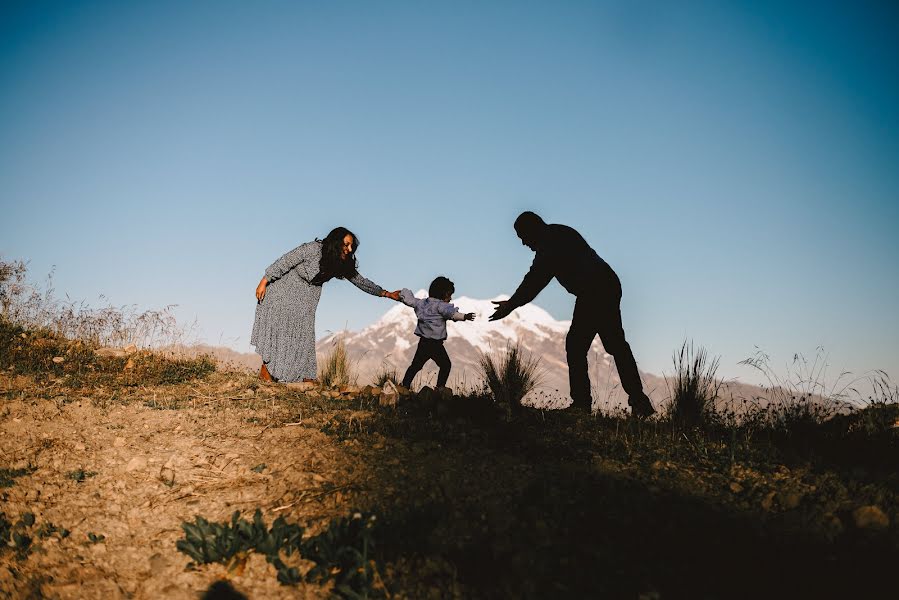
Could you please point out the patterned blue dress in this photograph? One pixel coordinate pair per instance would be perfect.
(284, 327)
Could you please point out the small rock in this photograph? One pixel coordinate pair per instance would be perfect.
(735, 487)
(832, 524)
(109, 352)
(58, 359)
(444, 393)
(158, 562)
(79, 447)
(870, 517)
(426, 397)
(350, 389)
(119, 442)
(375, 391)
(130, 349)
(789, 500)
(138, 463)
(388, 395)
(301, 386)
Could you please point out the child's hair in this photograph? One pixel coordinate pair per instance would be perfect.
(440, 287)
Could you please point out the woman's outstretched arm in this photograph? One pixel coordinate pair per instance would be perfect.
(372, 288)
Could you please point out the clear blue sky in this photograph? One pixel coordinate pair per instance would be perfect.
(736, 163)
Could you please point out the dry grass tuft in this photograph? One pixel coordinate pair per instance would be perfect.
(511, 375)
(335, 369)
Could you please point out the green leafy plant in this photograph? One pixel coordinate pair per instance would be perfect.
(208, 542)
(15, 535)
(95, 538)
(49, 530)
(342, 552)
(5, 530)
(80, 475)
(8, 476)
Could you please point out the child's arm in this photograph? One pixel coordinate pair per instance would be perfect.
(408, 298)
(450, 313)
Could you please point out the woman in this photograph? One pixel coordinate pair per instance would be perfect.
(284, 328)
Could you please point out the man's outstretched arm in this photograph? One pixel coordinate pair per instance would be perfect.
(533, 283)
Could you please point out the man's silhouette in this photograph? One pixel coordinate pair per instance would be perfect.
(562, 253)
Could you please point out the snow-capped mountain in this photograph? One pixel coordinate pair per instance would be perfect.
(390, 343)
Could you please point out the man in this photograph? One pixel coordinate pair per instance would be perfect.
(562, 253)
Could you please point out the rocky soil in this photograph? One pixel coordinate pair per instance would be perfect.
(549, 504)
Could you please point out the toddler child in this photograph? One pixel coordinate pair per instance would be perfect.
(433, 312)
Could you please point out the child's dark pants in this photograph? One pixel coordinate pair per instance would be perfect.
(429, 349)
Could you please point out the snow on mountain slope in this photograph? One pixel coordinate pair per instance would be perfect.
(389, 343)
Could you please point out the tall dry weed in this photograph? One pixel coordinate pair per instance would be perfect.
(335, 368)
(35, 307)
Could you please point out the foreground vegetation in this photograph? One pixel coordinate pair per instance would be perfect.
(140, 475)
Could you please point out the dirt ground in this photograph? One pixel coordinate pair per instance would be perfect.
(160, 456)
(551, 504)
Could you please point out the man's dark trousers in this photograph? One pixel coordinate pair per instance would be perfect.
(429, 349)
(598, 313)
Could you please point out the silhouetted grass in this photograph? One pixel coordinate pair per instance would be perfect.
(694, 387)
(510, 375)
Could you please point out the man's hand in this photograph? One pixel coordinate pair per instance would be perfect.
(502, 310)
(260, 290)
(469, 317)
(393, 295)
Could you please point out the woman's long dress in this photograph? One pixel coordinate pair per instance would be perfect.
(284, 327)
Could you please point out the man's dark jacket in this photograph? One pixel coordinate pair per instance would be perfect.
(562, 253)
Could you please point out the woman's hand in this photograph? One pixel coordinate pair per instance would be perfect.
(260, 290)
(392, 295)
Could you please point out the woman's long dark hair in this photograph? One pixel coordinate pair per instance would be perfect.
(331, 265)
